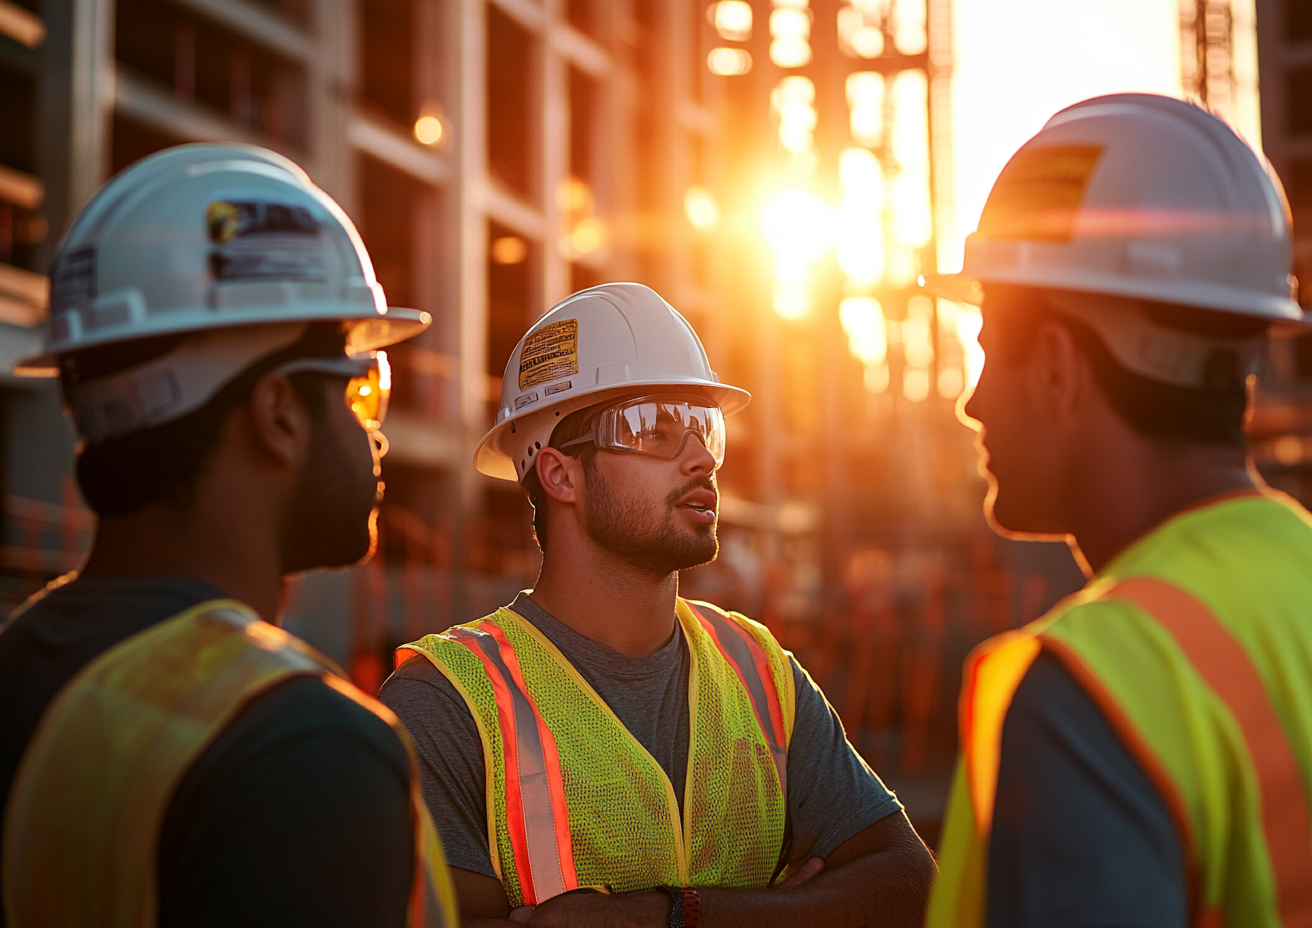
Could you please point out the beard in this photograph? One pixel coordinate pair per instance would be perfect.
(652, 541)
(332, 515)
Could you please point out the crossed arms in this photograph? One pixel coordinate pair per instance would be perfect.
(878, 878)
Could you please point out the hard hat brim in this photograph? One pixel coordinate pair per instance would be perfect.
(366, 334)
(957, 287)
(492, 460)
(1211, 296)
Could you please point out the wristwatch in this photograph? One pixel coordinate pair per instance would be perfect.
(687, 909)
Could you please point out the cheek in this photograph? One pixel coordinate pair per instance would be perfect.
(356, 447)
(641, 482)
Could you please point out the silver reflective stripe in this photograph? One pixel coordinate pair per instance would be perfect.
(547, 877)
(731, 639)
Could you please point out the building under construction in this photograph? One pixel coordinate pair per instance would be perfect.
(779, 170)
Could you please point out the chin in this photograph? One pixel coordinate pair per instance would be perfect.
(692, 549)
(333, 547)
(706, 555)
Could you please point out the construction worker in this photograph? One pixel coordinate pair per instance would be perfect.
(601, 732)
(1142, 754)
(169, 755)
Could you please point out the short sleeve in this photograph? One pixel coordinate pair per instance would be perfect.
(452, 771)
(1081, 836)
(832, 792)
(298, 815)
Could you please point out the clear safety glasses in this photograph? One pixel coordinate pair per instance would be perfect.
(368, 386)
(657, 425)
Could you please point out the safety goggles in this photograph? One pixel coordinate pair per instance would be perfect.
(658, 426)
(368, 386)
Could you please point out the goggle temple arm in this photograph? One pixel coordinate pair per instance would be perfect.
(368, 386)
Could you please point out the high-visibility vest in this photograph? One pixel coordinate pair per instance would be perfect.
(84, 814)
(574, 800)
(1196, 645)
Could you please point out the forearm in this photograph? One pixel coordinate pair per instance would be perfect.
(886, 889)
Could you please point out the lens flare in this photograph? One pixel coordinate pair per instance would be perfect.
(732, 19)
(867, 335)
(428, 130)
(865, 103)
(729, 62)
(701, 209)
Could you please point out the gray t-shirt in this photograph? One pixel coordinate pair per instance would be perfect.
(832, 793)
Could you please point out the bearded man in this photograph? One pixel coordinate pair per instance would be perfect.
(168, 755)
(602, 752)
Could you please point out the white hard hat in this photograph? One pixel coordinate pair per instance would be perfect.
(230, 247)
(1139, 196)
(610, 341)
(203, 237)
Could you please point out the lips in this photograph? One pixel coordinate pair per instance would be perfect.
(700, 501)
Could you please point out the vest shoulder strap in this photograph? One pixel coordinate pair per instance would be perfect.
(1228, 670)
(763, 669)
(537, 815)
(80, 838)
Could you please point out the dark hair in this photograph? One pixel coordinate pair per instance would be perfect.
(1212, 414)
(575, 425)
(124, 474)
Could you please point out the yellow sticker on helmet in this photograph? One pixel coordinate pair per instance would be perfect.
(1039, 192)
(550, 353)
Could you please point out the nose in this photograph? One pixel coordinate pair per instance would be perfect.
(968, 407)
(694, 456)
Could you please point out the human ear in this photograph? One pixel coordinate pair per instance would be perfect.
(557, 473)
(1058, 371)
(280, 425)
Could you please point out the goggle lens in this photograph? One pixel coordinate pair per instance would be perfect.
(661, 427)
(367, 395)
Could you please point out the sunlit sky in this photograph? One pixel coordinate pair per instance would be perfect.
(1019, 61)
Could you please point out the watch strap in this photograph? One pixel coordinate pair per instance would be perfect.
(686, 911)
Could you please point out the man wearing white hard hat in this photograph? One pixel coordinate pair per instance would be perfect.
(1141, 755)
(601, 733)
(169, 755)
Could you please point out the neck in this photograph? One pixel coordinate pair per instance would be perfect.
(160, 541)
(607, 599)
(1120, 498)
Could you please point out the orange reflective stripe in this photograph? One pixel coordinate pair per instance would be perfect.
(536, 815)
(506, 724)
(752, 665)
(562, 875)
(1227, 669)
(992, 674)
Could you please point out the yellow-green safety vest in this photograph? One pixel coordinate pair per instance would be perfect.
(1196, 644)
(84, 814)
(574, 800)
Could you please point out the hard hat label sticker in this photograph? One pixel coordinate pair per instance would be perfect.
(263, 240)
(550, 353)
(522, 401)
(1038, 194)
(558, 388)
(74, 280)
